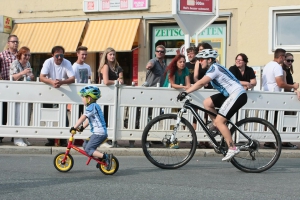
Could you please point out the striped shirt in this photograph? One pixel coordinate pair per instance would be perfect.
(6, 58)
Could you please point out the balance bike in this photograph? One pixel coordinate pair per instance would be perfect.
(64, 162)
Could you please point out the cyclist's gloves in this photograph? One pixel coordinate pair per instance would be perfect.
(181, 96)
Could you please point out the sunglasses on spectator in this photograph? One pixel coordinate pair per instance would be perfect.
(17, 42)
(160, 51)
(27, 55)
(288, 60)
(59, 55)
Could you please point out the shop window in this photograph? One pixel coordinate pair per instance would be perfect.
(285, 28)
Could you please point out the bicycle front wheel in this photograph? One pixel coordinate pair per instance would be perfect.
(255, 158)
(157, 146)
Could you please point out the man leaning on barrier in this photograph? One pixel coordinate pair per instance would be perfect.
(57, 71)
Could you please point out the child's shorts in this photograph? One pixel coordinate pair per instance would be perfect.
(91, 145)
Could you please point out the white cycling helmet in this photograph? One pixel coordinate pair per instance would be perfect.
(207, 53)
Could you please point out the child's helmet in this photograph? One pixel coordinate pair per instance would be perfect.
(207, 53)
(91, 91)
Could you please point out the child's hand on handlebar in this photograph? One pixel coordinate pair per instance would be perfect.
(80, 129)
(181, 96)
(73, 130)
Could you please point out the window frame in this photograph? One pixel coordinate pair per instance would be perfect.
(273, 13)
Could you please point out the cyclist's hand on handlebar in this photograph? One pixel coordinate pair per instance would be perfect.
(73, 130)
(181, 96)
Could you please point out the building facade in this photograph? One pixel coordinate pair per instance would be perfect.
(255, 28)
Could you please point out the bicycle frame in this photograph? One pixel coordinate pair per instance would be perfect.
(72, 146)
(190, 106)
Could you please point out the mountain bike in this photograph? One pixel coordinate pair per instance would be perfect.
(169, 141)
(64, 161)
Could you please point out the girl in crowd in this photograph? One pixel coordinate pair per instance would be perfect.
(109, 69)
(20, 69)
(177, 73)
(242, 72)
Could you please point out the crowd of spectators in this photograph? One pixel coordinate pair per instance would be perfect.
(178, 74)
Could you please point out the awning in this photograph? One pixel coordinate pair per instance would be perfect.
(118, 34)
(42, 37)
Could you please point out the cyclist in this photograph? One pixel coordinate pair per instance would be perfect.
(231, 98)
(90, 94)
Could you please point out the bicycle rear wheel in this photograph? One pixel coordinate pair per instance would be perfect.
(255, 159)
(156, 142)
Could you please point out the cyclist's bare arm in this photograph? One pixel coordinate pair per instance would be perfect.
(199, 84)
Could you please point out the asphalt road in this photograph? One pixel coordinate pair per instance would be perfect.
(34, 177)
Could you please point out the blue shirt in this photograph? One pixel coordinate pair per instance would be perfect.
(96, 119)
(223, 80)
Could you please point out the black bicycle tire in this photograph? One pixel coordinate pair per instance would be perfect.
(278, 142)
(169, 166)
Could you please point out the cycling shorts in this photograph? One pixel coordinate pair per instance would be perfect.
(231, 104)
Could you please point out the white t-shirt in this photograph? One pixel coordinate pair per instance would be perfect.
(270, 72)
(53, 71)
(82, 72)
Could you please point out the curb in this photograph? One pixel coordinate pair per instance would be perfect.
(40, 150)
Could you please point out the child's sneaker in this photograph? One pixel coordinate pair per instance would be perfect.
(231, 153)
(108, 161)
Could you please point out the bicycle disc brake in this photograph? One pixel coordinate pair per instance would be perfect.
(167, 140)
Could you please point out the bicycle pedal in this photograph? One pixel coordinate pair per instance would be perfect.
(97, 165)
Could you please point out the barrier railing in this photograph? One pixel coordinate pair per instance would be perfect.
(127, 109)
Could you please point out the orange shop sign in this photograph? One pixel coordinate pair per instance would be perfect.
(5, 24)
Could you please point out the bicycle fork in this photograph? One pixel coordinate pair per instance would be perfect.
(179, 115)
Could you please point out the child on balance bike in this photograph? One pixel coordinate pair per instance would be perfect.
(90, 94)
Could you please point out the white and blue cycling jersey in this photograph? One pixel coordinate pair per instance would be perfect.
(223, 80)
(96, 119)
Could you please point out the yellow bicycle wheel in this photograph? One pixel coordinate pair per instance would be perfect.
(63, 167)
(114, 167)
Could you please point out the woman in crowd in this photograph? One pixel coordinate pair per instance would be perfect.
(177, 74)
(288, 71)
(242, 72)
(109, 69)
(20, 69)
(200, 71)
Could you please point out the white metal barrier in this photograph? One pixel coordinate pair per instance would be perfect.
(129, 109)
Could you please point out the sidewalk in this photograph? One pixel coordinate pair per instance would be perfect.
(123, 149)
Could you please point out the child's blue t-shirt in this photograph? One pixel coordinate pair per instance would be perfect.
(96, 119)
(179, 79)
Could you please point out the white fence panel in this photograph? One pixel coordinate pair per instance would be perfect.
(127, 109)
(49, 122)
